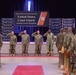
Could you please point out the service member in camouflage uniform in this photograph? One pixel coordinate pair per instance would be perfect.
(1, 41)
(13, 42)
(38, 42)
(67, 44)
(25, 42)
(0, 47)
(73, 53)
(59, 44)
(68, 38)
(50, 40)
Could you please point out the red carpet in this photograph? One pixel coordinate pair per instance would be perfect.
(28, 70)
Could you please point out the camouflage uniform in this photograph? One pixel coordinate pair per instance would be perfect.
(67, 40)
(0, 47)
(13, 41)
(67, 45)
(1, 41)
(73, 49)
(59, 44)
(25, 43)
(50, 37)
(38, 42)
(59, 40)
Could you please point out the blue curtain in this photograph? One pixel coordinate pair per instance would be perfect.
(22, 5)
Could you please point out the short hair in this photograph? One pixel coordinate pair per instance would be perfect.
(61, 29)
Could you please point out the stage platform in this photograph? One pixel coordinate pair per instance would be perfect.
(31, 50)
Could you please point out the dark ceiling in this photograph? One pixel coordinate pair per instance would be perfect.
(56, 8)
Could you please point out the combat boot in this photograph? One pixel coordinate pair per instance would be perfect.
(35, 52)
(50, 53)
(47, 53)
(26, 53)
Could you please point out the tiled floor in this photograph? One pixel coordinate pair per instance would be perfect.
(49, 64)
